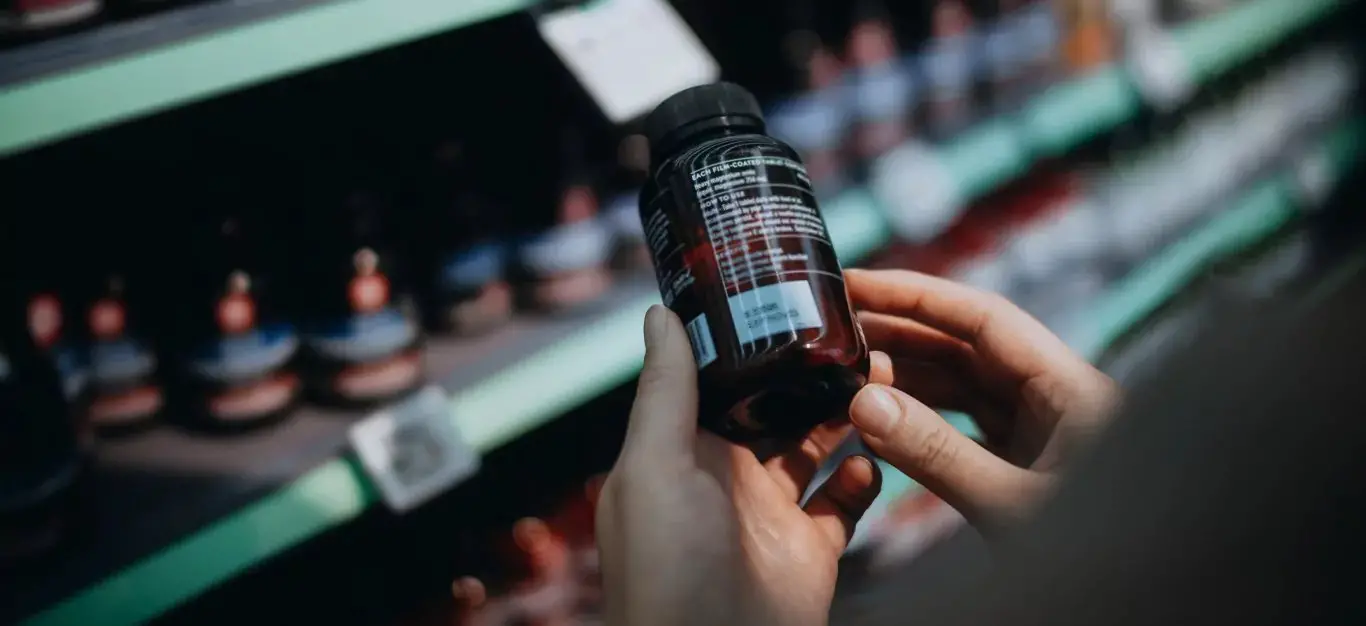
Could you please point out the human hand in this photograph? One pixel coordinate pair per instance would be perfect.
(945, 345)
(693, 529)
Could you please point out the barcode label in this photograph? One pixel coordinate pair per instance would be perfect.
(412, 450)
(703, 348)
(774, 309)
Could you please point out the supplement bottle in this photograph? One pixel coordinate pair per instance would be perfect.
(564, 259)
(949, 65)
(880, 85)
(126, 393)
(229, 347)
(460, 254)
(743, 256)
(42, 448)
(362, 336)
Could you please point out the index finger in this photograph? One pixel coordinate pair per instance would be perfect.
(997, 329)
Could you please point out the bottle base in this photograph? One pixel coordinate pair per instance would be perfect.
(245, 407)
(366, 385)
(489, 309)
(787, 411)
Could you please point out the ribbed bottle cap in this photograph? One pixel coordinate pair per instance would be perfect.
(670, 120)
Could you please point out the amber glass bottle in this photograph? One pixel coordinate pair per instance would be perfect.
(743, 256)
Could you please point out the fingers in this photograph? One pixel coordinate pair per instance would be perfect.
(905, 338)
(663, 421)
(792, 471)
(998, 330)
(921, 444)
(839, 504)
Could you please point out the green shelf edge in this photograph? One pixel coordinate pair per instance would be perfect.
(53, 108)
(336, 492)
(1211, 47)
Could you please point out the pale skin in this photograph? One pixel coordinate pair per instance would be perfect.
(695, 530)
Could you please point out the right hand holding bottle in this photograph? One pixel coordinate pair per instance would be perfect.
(946, 345)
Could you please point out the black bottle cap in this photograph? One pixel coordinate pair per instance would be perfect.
(700, 108)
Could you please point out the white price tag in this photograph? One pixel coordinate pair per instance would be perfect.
(916, 190)
(1159, 69)
(628, 54)
(1314, 179)
(412, 450)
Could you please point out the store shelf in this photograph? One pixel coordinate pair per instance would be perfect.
(211, 508)
(62, 105)
(996, 151)
(267, 494)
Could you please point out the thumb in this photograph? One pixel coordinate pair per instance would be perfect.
(664, 417)
(917, 441)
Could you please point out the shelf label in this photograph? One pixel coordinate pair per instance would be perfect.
(1159, 69)
(629, 55)
(412, 450)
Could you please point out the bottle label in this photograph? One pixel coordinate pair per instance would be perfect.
(252, 400)
(472, 268)
(381, 378)
(363, 337)
(246, 355)
(126, 406)
(759, 242)
(580, 245)
(771, 309)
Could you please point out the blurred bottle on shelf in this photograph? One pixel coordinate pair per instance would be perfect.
(949, 65)
(1088, 35)
(228, 344)
(44, 437)
(24, 21)
(361, 332)
(42, 454)
(564, 257)
(460, 246)
(810, 112)
(1037, 32)
(1007, 51)
(880, 86)
(629, 174)
(46, 278)
(126, 391)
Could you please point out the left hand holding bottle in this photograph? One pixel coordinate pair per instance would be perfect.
(693, 529)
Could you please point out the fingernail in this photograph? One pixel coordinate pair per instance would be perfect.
(874, 410)
(654, 326)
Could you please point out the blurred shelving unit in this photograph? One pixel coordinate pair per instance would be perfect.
(1262, 210)
(492, 398)
(106, 91)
